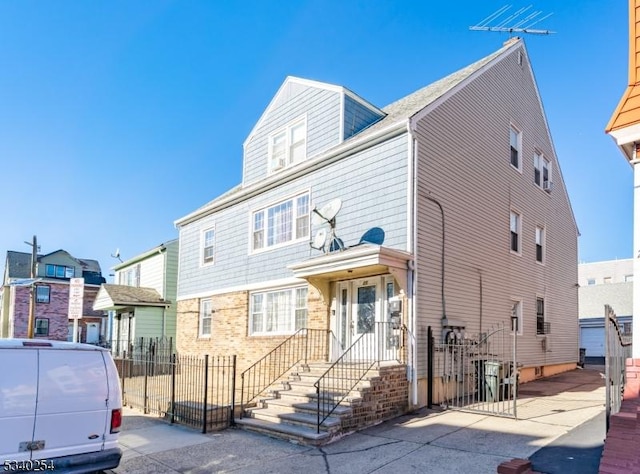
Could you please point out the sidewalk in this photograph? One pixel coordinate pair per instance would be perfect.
(426, 441)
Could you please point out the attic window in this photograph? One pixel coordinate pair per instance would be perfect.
(59, 271)
(288, 146)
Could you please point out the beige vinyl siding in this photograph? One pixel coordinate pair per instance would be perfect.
(464, 163)
(152, 273)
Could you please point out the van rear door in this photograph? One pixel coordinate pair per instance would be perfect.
(71, 415)
(18, 389)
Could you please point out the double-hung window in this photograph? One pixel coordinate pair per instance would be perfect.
(516, 313)
(542, 171)
(515, 141)
(42, 327)
(43, 294)
(59, 271)
(204, 326)
(278, 312)
(540, 237)
(208, 241)
(515, 224)
(288, 146)
(541, 326)
(284, 222)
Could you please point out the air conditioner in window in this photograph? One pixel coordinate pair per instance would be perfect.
(545, 342)
(547, 186)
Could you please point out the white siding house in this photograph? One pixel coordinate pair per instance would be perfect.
(445, 209)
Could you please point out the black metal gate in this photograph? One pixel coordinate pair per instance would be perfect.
(477, 373)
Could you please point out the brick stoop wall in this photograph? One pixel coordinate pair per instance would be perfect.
(621, 453)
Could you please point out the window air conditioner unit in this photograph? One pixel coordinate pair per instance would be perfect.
(547, 186)
(546, 343)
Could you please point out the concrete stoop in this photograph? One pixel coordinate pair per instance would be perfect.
(290, 410)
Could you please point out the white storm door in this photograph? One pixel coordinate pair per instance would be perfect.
(364, 315)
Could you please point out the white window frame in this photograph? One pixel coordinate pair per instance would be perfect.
(513, 130)
(516, 308)
(518, 231)
(40, 294)
(205, 316)
(291, 317)
(284, 137)
(541, 167)
(206, 244)
(541, 242)
(263, 237)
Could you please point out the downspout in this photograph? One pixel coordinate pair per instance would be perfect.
(412, 249)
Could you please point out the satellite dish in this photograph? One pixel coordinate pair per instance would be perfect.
(116, 254)
(319, 239)
(327, 213)
(375, 236)
(336, 244)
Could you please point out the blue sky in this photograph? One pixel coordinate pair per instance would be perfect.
(118, 117)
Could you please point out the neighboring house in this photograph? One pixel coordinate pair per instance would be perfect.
(604, 283)
(142, 299)
(449, 212)
(51, 311)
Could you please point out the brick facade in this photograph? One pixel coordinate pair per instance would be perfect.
(230, 327)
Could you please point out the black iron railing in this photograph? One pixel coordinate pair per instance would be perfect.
(382, 342)
(300, 348)
(618, 350)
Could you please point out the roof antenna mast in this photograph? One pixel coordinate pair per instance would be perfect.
(521, 21)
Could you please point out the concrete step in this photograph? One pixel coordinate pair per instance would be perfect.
(285, 406)
(309, 420)
(295, 433)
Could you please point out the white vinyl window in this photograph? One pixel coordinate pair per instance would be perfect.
(204, 324)
(516, 311)
(540, 244)
(288, 146)
(515, 142)
(278, 312)
(542, 171)
(285, 222)
(208, 245)
(516, 229)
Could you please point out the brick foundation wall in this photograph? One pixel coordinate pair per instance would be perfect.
(230, 327)
(621, 454)
(386, 398)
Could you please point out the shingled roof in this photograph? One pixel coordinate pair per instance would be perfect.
(111, 296)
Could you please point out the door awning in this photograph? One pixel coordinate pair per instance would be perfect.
(359, 261)
(113, 297)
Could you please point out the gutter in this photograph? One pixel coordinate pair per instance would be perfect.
(338, 153)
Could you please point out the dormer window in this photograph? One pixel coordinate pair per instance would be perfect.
(288, 146)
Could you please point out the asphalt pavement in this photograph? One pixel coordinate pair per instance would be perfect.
(560, 427)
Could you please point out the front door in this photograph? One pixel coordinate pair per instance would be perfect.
(362, 316)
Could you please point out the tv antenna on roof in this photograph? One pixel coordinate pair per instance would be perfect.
(327, 213)
(519, 22)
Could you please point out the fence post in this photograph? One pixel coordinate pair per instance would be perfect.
(233, 390)
(206, 382)
(429, 367)
(146, 382)
(173, 387)
(124, 368)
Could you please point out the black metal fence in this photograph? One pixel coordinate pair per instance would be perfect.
(198, 391)
(617, 351)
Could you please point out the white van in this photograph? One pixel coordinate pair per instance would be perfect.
(60, 407)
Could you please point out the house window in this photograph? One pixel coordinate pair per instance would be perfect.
(281, 311)
(515, 140)
(43, 294)
(516, 311)
(206, 310)
(541, 171)
(628, 278)
(515, 227)
(540, 323)
(285, 222)
(288, 146)
(208, 240)
(540, 238)
(130, 276)
(59, 271)
(607, 280)
(591, 281)
(42, 327)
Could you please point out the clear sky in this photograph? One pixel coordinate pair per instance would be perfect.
(119, 117)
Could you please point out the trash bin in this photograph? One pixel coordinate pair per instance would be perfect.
(491, 379)
(583, 356)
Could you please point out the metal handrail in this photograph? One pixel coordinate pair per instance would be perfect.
(383, 342)
(302, 346)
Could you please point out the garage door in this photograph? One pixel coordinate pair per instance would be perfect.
(592, 339)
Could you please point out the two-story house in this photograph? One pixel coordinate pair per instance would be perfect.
(445, 210)
(51, 320)
(142, 300)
